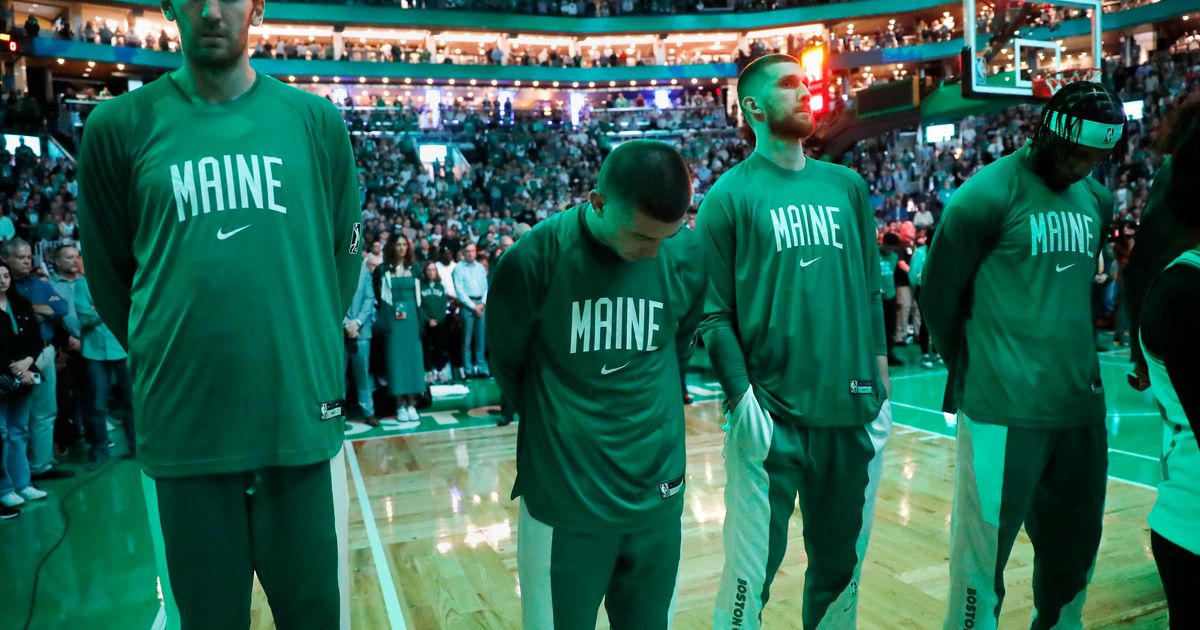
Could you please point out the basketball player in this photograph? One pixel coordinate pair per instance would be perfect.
(1006, 292)
(591, 314)
(1160, 240)
(794, 326)
(1171, 340)
(220, 219)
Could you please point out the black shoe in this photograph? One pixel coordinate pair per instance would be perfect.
(894, 361)
(8, 513)
(371, 421)
(687, 398)
(53, 474)
(96, 461)
(504, 421)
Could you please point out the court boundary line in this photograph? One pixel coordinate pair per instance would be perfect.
(955, 438)
(491, 425)
(391, 598)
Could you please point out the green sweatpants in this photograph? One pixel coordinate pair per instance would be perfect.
(564, 576)
(1051, 480)
(835, 474)
(288, 525)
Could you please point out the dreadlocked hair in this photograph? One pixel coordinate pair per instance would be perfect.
(1073, 103)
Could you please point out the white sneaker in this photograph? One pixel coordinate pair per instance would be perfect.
(12, 499)
(32, 494)
(412, 413)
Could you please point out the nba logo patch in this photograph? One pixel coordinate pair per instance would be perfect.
(859, 387)
(333, 409)
(356, 238)
(668, 489)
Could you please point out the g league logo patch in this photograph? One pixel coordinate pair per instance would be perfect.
(356, 238)
(1108, 137)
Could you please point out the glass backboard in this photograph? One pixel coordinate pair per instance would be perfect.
(1030, 49)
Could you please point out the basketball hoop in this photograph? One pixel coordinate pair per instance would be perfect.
(1046, 86)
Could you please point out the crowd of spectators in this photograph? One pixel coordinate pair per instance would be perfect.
(694, 110)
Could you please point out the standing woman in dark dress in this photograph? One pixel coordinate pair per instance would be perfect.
(434, 316)
(399, 292)
(1170, 341)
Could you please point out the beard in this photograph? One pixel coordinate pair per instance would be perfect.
(1047, 159)
(791, 125)
(222, 55)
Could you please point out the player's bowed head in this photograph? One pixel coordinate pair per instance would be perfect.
(641, 197)
(1080, 126)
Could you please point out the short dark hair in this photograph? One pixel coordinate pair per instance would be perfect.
(750, 78)
(1073, 103)
(650, 176)
(891, 238)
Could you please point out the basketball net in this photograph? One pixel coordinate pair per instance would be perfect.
(1046, 86)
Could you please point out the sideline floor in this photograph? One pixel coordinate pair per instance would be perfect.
(440, 550)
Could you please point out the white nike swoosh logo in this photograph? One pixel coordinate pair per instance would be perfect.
(1061, 269)
(805, 263)
(604, 371)
(221, 235)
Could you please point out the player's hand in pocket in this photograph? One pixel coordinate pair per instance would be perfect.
(751, 428)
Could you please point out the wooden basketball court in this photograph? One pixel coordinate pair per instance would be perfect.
(433, 532)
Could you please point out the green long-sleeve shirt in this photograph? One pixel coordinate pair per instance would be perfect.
(794, 302)
(222, 251)
(1007, 296)
(587, 347)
